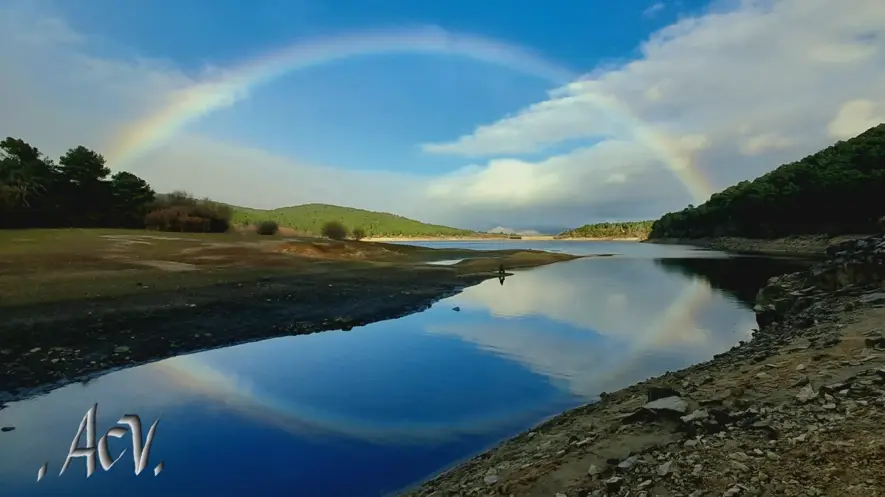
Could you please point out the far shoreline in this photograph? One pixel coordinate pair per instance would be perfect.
(529, 238)
(793, 246)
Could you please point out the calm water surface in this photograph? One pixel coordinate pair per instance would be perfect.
(373, 410)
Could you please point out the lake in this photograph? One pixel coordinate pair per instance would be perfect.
(373, 410)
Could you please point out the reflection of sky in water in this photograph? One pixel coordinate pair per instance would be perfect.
(368, 411)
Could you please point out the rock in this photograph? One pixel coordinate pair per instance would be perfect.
(801, 382)
(698, 415)
(664, 469)
(873, 298)
(456, 309)
(732, 492)
(614, 483)
(806, 394)
(628, 463)
(739, 456)
(490, 479)
(668, 405)
(121, 349)
(661, 392)
(594, 470)
(7, 428)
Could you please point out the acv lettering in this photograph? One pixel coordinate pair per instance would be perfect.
(97, 452)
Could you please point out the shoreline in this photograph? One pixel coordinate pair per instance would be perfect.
(802, 245)
(527, 238)
(797, 410)
(111, 333)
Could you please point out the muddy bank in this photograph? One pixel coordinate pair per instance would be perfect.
(799, 410)
(802, 246)
(46, 345)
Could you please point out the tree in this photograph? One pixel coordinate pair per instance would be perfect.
(84, 191)
(131, 197)
(334, 230)
(358, 234)
(26, 178)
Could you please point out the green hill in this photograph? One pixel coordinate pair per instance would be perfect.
(839, 190)
(627, 229)
(309, 218)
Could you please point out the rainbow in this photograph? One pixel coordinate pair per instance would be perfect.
(234, 84)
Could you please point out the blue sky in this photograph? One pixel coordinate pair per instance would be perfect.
(670, 100)
(392, 102)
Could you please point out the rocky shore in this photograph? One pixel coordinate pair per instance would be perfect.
(799, 410)
(811, 245)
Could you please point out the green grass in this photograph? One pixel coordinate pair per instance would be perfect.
(309, 219)
(46, 265)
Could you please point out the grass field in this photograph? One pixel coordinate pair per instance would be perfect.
(69, 264)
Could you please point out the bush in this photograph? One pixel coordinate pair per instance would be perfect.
(334, 230)
(178, 211)
(358, 234)
(268, 228)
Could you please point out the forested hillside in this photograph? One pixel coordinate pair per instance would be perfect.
(627, 229)
(839, 190)
(309, 218)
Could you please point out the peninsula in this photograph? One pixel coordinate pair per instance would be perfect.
(133, 276)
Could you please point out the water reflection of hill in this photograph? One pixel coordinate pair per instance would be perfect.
(740, 277)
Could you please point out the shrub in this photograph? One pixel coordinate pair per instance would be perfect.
(178, 211)
(358, 234)
(268, 228)
(334, 230)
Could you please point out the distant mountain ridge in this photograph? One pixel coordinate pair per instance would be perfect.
(309, 219)
(626, 229)
(500, 230)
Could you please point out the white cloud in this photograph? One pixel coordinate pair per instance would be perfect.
(854, 117)
(730, 93)
(654, 9)
(759, 144)
(761, 79)
(631, 327)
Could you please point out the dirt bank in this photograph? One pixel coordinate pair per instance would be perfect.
(811, 246)
(798, 411)
(89, 304)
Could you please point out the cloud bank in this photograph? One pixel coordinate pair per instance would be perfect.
(723, 96)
